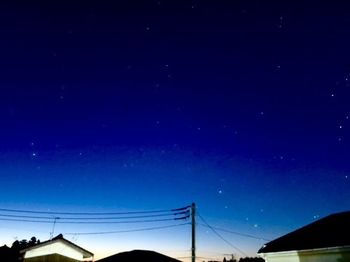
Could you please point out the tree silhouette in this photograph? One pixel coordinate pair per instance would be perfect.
(232, 259)
(251, 259)
(13, 254)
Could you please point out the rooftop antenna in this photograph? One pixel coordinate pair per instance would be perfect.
(53, 227)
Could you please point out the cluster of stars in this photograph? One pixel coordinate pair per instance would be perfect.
(169, 75)
(62, 90)
(33, 153)
(341, 124)
(280, 22)
(341, 127)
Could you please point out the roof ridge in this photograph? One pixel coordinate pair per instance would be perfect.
(329, 231)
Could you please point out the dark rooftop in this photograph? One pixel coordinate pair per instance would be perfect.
(330, 231)
(138, 255)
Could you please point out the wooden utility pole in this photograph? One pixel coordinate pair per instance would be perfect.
(193, 216)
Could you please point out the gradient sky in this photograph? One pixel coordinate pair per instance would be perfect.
(240, 106)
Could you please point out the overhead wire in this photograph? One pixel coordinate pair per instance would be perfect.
(93, 222)
(93, 213)
(97, 218)
(236, 233)
(134, 217)
(30, 216)
(130, 217)
(221, 237)
(126, 231)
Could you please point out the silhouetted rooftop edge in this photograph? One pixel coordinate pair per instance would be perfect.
(60, 238)
(139, 255)
(330, 231)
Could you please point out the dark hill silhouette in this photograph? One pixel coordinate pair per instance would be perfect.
(138, 255)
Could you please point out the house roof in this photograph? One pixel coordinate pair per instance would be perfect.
(60, 238)
(330, 231)
(139, 255)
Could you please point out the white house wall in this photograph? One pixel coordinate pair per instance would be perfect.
(309, 258)
(55, 248)
(320, 255)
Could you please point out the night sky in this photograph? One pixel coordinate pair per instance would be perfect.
(239, 106)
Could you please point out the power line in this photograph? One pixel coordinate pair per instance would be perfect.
(97, 218)
(221, 237)
(94, 222)
(127, 231)
(94, 213)
(237, 233)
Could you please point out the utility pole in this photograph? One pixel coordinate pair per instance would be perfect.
(193, 216)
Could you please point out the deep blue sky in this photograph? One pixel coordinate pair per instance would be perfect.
(240, 106)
